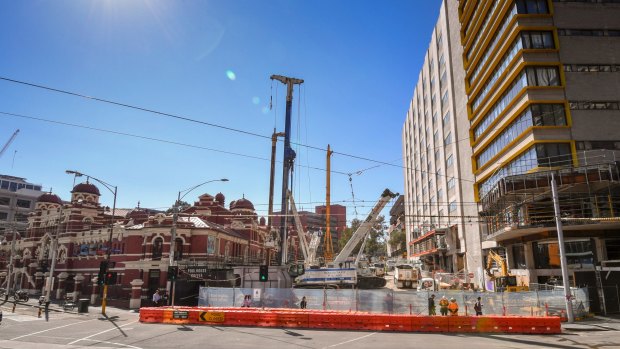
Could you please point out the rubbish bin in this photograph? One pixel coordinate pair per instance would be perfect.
(83, 304)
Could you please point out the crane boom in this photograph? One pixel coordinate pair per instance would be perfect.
(9, 142)
(303, 242)
(363, 230)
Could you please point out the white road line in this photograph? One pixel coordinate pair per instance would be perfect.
(349, 341)
(98, 333)
(106, 342)
(50, 329)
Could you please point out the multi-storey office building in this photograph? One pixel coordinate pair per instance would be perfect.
(17, 199)
(439, 198)
(542, 79)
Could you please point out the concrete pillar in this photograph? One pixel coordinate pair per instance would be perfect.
(136, 294)
(79, 281)
(62, 278)
(94, 293)
(529, 261)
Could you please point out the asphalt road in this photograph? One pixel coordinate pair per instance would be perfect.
(121, 329)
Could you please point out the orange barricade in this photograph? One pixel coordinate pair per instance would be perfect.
(429, 324)
(463, 324)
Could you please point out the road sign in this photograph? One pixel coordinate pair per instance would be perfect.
(177, 314)
(211, 316)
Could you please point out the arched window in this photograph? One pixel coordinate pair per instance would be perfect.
(178, 249)
(157, 248)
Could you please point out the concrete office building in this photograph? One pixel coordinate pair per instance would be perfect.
(439, 198)
(17, 199)
(542, 79)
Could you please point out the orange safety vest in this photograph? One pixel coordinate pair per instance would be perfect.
(443, 303)
(453, 308)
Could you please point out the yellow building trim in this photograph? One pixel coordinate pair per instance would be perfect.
(491, 65)
(514, 156)
(467, 14)
(487, 105)
(480, 15)
(524, 134)
(513, 117)
(501, 11)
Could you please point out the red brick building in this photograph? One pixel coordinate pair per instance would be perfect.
(208, 234)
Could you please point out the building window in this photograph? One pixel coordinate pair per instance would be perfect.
(449, 161)
(178, 249)
(4, 216)
(595, 145)
(591, 105)
(591, 68)
(158, 244)
(542, 76)
(448, 139)
(23, 203)
(588, 32)
(553, 154)
(5, 201)
(452, 206)
(518, 257)
(435, 137)
(532, 6)
(450, 183)
(537, 39)
(446, 119)
(579, 254)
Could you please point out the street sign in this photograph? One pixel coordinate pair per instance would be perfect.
(197, 272)
(211, 316)
(177, 314)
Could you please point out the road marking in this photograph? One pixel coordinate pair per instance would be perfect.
(349, 341)
(49, 329)
(106, 342)
(98, 333)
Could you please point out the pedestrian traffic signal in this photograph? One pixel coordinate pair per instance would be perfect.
(110, 278)
(173, 272)
(263, 273)
(103, 268)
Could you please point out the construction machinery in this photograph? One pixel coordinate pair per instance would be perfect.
(505, 281)
(6, 145)
(343, 270)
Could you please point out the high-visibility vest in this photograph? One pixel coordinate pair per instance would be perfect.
(454, 308)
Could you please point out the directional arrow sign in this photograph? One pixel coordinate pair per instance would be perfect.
(211, 316)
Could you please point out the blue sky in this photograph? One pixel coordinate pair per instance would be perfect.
(210, 61)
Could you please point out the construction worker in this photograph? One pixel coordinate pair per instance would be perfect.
(443, 305)
(453, 307)
(431, 305)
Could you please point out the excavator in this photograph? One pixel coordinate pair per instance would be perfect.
(505, 281)
(343, 271)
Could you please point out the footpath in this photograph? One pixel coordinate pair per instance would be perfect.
(594, 323)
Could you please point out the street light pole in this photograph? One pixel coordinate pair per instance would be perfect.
(109, 187)
(173, 230)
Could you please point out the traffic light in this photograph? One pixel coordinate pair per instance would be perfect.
(173, 272)
(110, 278)
(263, 273)
(103, 268)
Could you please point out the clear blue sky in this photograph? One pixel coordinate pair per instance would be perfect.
(210, 61)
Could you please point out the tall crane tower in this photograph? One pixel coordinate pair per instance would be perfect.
(9, 142)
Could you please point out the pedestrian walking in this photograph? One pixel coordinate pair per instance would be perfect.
(478, 307)
(431, 305)
(453, 307)
(156, 298)
(303, 303)
(443, 305)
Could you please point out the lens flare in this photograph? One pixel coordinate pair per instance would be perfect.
(255, 100)
(265, 110)
(231, 75)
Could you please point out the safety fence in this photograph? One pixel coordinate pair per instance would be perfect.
(386, 301)
(340, 320)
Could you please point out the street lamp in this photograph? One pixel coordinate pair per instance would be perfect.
(113, 189)
(175, 218)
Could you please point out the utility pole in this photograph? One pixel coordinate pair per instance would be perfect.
(12, 267)
(288, 160)
(329, 248)
(272, 175)
(50, 278)
(563, 263)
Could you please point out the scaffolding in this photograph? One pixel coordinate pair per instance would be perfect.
(588, 194)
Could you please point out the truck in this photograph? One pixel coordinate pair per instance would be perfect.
(343, 270)
(504, 281)
(406, 276)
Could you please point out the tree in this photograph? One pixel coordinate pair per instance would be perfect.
(375, 244)
(398, 242)
(346, 234)
(182, 206)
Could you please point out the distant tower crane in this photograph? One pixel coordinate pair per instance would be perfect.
(9, 142)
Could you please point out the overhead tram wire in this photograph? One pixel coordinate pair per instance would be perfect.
(184, 118)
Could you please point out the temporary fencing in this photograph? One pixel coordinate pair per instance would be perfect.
(342, 320)
(385, 301)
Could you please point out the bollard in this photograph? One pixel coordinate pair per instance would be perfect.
(14, 305)
(39, 314)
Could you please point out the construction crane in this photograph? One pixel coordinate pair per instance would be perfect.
(9, 142)
(308, 249)
(505, 281)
